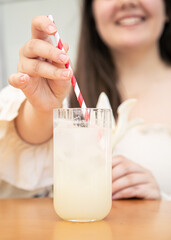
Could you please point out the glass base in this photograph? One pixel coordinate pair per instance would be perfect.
(81, 220)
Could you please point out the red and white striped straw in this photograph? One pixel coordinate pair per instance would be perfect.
(73, 79)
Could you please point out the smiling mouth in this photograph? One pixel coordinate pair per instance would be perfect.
(130, 21)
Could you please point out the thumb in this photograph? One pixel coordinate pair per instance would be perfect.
(41, 27)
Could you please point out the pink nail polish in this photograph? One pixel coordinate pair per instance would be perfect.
(23, 78)
(52, 29)
(63, 57)
(66, 73)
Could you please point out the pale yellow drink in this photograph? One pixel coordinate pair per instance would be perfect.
(82, 172)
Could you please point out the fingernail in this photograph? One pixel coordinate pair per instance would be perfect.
(115, 197)
(23, 78)
(67, 73)
(52, 28)
(63, 57)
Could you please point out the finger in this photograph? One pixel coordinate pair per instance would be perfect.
(117, 160)
(24, 82)
(19, 80)
(66, 47)
(129, 180)
(125, 168)
(39, 48)
(138, 191)
(41, 27)
(37, 68)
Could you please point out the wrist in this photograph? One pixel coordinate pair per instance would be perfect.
(32, 125)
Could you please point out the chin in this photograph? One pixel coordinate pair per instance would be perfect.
(129, 46)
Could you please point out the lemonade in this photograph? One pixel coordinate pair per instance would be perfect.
(82, 172)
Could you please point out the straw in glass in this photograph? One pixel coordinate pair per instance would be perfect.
(73, 79)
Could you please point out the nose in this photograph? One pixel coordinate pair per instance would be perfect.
(127, 3)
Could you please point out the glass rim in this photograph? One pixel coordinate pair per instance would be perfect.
(82, 109)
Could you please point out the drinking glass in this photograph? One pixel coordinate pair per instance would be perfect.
(82, 164)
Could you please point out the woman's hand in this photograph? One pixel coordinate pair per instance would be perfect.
(42, 75)
(130, 180)
(44, 80)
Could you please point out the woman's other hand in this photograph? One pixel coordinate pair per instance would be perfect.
(130, 180)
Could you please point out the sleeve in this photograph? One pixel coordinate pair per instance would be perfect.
(23, 165)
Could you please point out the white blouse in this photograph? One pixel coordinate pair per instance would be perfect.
(27, 170)
(150, 146)
(147, 145)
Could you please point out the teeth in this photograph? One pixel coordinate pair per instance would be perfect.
(130, 21)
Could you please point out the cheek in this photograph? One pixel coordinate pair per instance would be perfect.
(155, 8)
(156, 12)
(103, 11)
(103, 15)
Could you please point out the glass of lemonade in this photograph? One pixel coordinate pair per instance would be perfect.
(82, 164)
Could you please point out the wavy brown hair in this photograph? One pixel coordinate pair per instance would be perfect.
(95, 69)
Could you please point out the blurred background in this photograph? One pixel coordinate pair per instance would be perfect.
(15, 24)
